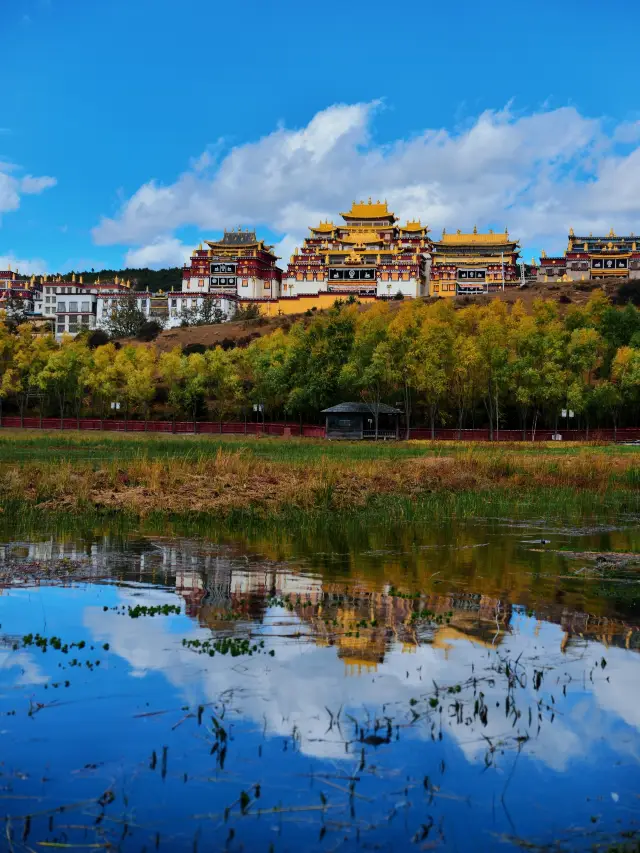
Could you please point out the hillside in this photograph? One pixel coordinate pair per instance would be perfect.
(226, 335)
(242, 332)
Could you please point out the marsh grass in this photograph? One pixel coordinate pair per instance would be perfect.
(23, 445)
(233, 480)
(196, 485)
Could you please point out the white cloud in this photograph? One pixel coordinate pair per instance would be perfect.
(538, 174)
(12, 186)
(34, 186)
(163, 252)
(262, 687)
(33, 266)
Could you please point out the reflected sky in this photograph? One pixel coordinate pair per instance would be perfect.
(481, 723)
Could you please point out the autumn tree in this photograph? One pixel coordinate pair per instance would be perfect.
(365, 370)
(63, 375)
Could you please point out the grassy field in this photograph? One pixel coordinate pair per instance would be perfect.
(20, 445)
(244, 479)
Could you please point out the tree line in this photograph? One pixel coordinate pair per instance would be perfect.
(491, 364)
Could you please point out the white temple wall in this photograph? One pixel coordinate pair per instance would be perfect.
(410, 289)
(303, 288)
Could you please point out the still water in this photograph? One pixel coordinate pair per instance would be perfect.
(467, 687)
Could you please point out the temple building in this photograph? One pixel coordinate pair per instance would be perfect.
(369, 254)
(468, 264)
(238, 265)
(8, 279)
(593, 258)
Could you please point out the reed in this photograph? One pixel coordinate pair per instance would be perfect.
(23, 445)
(231, 480)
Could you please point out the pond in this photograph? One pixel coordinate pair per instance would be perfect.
(465, 686)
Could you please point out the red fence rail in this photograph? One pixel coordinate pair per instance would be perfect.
(304, 430)
(621, 434)
(178, 427)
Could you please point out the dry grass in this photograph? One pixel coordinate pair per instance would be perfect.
(236, 480)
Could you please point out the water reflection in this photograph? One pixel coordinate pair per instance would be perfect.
(466, 691)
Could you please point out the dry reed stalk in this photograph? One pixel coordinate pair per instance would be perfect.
(234, 479)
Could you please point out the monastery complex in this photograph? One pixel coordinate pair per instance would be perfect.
(368, 255)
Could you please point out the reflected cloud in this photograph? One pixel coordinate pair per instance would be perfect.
(307, 682)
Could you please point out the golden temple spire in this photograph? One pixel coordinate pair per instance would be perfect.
(475, 229)
(81, 279)
(543, 254)
(444, 232)
(612, 233)
(633, 247)
(73, 276)
(571, 234)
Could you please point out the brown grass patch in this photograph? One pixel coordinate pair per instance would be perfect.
(235, 480)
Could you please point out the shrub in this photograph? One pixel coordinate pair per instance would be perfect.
(191, 348)
(247, 312)
(97, 338)
(149, 330)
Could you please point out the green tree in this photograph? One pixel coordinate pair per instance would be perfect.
(101, 379)
(431, 362)
(125, 319)
(30, 356)
(63, 375)
(366, 369)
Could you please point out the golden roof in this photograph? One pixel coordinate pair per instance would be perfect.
(445, 637)
(369, 210)
(361, 237)
(460, 239)
(324, 227)
(413, 225)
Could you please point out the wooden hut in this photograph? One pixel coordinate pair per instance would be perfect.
(362, 420)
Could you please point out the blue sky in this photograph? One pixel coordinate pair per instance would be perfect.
(131, 129)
